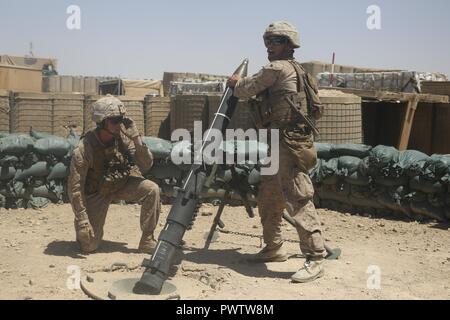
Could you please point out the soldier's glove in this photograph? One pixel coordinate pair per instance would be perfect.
(131, 131)
(85, 232)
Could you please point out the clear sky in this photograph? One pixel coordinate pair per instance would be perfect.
(142, 39)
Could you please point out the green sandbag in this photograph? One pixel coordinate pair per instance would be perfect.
(412, 162)
(328, 168)
(420, 184)
(358, 179)
(436, 200)
(16, 144)
(8, 161)
(40, 169)
(39, 135)
(7, 173)
(323, 150)
(390, 182)
(159, 148)
(37, 203)
(425, 209)
(383, 156)
(347, 165)
(436, 167)
(59, 171)
(244, 149)
(165, 171)
(44, 192)
(3, 134)
(348, 149)
(56, 146)
(332, 180)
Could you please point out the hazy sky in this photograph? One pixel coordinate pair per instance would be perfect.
(142, 39)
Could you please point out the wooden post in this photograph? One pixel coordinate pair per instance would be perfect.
(408, 122)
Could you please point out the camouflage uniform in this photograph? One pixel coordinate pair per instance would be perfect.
(102, 174)
(291, 188)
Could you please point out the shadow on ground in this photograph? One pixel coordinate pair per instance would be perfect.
(236, 261)
(72, 249)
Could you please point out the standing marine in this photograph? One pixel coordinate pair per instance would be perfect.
(283, 89)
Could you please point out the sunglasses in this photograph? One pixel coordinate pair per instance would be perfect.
(274, 41)
(116, 120)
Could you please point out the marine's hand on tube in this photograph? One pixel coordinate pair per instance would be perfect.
(232, 81)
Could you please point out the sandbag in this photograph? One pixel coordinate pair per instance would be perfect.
(419, 183)
(323, 150)
(354, 150)
(39, 135)
(40, 169)
(3, 134)
(59, 171)
(358, 179)
(165, 171)
(8, 161)
(7, 173)
(244, 150)
(56, 146)
(436, 167)
(383, 156)
(412, 162)
(158, 147)
(390, 182)
(347, 165)
(16, 144)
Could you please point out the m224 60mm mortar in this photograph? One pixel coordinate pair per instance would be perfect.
(186, 204)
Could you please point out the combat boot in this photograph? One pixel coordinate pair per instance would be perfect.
(312, 270)
(147, 244)
(271, 254)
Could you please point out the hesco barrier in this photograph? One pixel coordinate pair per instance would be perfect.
(242, 118)
(342, 121)
(157, 117)
(184, 110)
(4, 111)
(31, 110)
(89, 100)
(135, 110)
(67, 112)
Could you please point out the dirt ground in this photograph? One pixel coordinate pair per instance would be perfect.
(413, 260)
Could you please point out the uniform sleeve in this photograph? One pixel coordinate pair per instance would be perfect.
(251, 86)
(79, 167)
(141, 155)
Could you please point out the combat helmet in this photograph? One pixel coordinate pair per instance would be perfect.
(107, 107)
(283, 29)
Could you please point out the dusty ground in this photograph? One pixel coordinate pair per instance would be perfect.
(36, 247)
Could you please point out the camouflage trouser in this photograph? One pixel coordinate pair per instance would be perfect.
(136, 189)
(290, 189)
